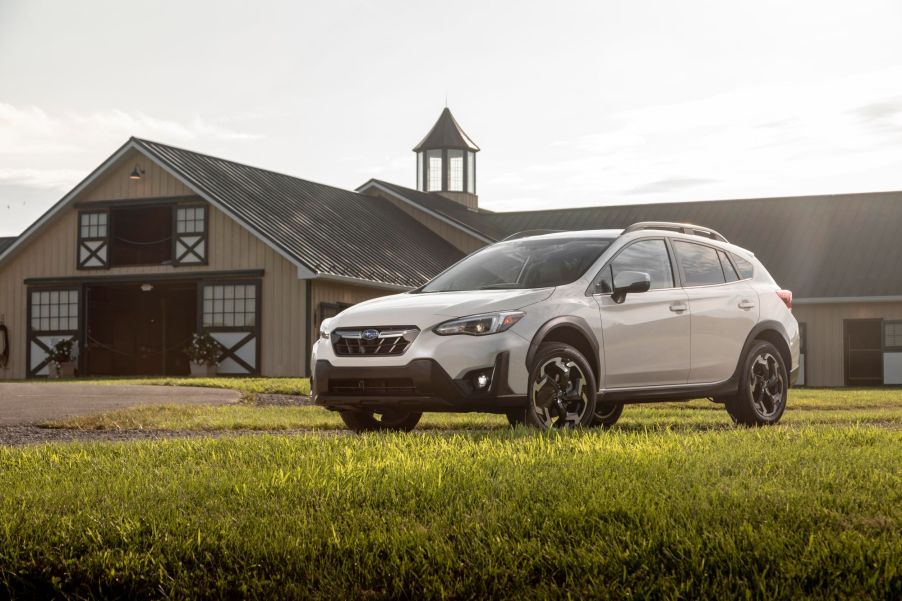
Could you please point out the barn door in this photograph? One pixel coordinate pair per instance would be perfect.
(863, 352)
(230, 313)
(52, 317)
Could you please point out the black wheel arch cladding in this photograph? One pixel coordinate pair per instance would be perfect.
(567, 323)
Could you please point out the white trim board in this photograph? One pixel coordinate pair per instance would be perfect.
(344, 279)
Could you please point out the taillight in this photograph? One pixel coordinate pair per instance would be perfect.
(786, 297)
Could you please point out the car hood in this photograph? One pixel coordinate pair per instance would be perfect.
(425, 309)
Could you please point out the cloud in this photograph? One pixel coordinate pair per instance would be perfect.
(882, 114)
(30, 130)
(52, 151)
(47, 179)
(785, 137)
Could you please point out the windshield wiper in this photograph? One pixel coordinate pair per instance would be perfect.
(501, 286)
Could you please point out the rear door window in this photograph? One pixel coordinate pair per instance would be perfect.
(728, 270)
(700, 264)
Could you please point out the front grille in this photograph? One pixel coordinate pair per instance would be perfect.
(373, 387)
(383, 341)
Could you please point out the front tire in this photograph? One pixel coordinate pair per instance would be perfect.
(561, 389)
(387, 421)
(763, 387)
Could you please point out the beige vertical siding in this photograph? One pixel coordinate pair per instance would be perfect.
(824, 323)
(325, 291)
(51, 253)
(451, 234)
(117, 186)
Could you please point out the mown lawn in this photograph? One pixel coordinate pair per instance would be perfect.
(673, 503)
(806, 408)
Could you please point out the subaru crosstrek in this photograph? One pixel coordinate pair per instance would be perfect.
(562, 329)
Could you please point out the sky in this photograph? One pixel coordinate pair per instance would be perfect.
(574, 103)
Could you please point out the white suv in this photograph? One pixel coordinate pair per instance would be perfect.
(562, 329)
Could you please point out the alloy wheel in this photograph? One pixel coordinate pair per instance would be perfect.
(766, 385)
(559, 393)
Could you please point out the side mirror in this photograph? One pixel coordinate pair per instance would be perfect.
(630, 282)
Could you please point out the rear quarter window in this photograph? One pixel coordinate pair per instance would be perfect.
(746, 269)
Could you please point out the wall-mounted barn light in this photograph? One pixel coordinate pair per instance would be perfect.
(136, 173)
(146, 287)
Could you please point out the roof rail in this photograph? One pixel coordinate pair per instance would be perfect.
(684, 228)
(526, 233)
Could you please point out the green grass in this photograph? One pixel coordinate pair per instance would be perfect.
(674, 502)
(806, 408)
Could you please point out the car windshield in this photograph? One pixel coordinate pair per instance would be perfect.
(535, 263)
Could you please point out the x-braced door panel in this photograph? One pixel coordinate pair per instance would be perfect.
(93, 240)
(190, 247)
(230, 313)
(52, 317)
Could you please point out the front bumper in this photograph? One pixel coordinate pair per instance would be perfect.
(420, 385)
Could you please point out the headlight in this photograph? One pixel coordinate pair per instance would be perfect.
(324, 328)
(479, 325)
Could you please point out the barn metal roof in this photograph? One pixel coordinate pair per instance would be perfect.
(330, 230)
(451, 210)
(446, 133)
(836, 246)
(832, 246)
(5, 242)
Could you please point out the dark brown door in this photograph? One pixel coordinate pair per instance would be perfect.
(131, 331)
(863, 352)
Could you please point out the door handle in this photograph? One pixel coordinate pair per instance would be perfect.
(746, 304)
(679, 307)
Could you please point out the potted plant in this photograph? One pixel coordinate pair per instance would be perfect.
(203, 355)
(62, 359)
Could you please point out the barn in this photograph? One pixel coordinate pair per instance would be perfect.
(159, 243)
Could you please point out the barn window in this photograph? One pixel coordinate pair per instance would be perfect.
(190, 235)
(54, 310)
(434, 170)
(230, 305)
(892, 335)
(93, 239)
(456, 170)
(420, 172)
(93, 225)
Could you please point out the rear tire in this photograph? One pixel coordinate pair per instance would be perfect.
(606, 415)
(763, 387)
(516, 417)
(387, 421)
(561, 389)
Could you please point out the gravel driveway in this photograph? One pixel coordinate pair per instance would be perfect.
(32, 402)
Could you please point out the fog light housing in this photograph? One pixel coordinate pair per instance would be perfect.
(478, 381)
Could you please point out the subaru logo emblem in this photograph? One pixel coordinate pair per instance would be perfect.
(370, 334)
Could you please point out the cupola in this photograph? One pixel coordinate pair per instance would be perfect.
(446, 162)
